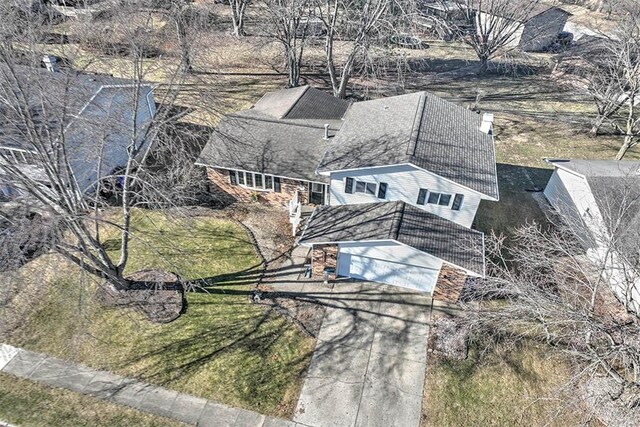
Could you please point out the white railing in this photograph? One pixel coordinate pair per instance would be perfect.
(293, 204)
(296, 219)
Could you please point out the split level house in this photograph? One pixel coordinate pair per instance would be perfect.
(94, 118)
(600, 201)
(394, 183)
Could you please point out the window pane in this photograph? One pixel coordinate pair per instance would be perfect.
(249, 179)
(232, 178)
(457, 202)
(268, 182)
(360, 186)
(316, 187)
(241, 178)
(348, 186)
(258, 180)
(422, 196)
(433, 197)
(445, 199)
(382, 190)
(276, 184)
(371, 188)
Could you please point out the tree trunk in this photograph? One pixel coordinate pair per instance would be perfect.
(628, 143)
(183, 44)
(597, 124)
(484, 66)
(237, 17)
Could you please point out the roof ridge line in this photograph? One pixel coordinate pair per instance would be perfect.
(415, 130)
(306, 88)
(276, 121)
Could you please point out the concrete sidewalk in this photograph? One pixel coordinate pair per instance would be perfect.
(125, 391)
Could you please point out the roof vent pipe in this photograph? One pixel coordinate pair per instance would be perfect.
(487, 122)
(326, 131)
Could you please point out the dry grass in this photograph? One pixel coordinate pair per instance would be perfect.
(500, 388)
(222, 348)
(31, 404)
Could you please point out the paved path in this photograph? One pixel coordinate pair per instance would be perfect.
(136, 394)
(369, 363)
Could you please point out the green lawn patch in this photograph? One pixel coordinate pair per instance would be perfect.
(30, 404)
(501, 387)
(222, 348)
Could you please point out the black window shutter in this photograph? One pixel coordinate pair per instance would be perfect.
(382, 190)
(276, 184)
(233, 178)
(348, 186)
(422, 196)
(457, 202)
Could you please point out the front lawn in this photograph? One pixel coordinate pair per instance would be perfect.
(26, 403)
(502, 387)
(223, 347)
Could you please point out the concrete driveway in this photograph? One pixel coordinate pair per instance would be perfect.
(369, 363)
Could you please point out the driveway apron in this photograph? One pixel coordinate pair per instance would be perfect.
(369, 363)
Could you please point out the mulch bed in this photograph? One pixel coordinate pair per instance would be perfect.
(448, 338)
(158, 295)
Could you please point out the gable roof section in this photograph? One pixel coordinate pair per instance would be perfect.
(400, 222)
(302, 102)
(66, 97)
(420, 129)
(252, 141)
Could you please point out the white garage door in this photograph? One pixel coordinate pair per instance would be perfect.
(392, 273)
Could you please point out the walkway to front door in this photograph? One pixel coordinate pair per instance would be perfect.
(369, 364)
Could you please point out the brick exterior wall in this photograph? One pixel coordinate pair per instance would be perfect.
(323, 256)
(450, 283)
(219, 184)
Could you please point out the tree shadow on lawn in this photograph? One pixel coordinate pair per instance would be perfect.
(258, 340)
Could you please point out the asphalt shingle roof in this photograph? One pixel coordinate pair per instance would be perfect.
(252, 141)
(420, 129)
(302, 102)
(403, 223)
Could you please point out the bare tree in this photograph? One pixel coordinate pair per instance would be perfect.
(613, 77)
(358, 24)
(64, 147)
(287, 23)
(238, 13)
(492, 26)
(573, 287)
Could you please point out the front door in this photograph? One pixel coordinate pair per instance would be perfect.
(316, 193)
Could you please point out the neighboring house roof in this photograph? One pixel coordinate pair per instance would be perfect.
(598, 168)
(615, 186)
(400, 222)
(420, 129)
(96, 112)
(282, 135)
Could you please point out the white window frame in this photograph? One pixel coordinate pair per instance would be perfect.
(263, 176)
(355, 187)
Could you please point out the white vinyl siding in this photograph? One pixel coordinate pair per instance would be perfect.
(571, 196)
(389, 262)
(403, 184)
